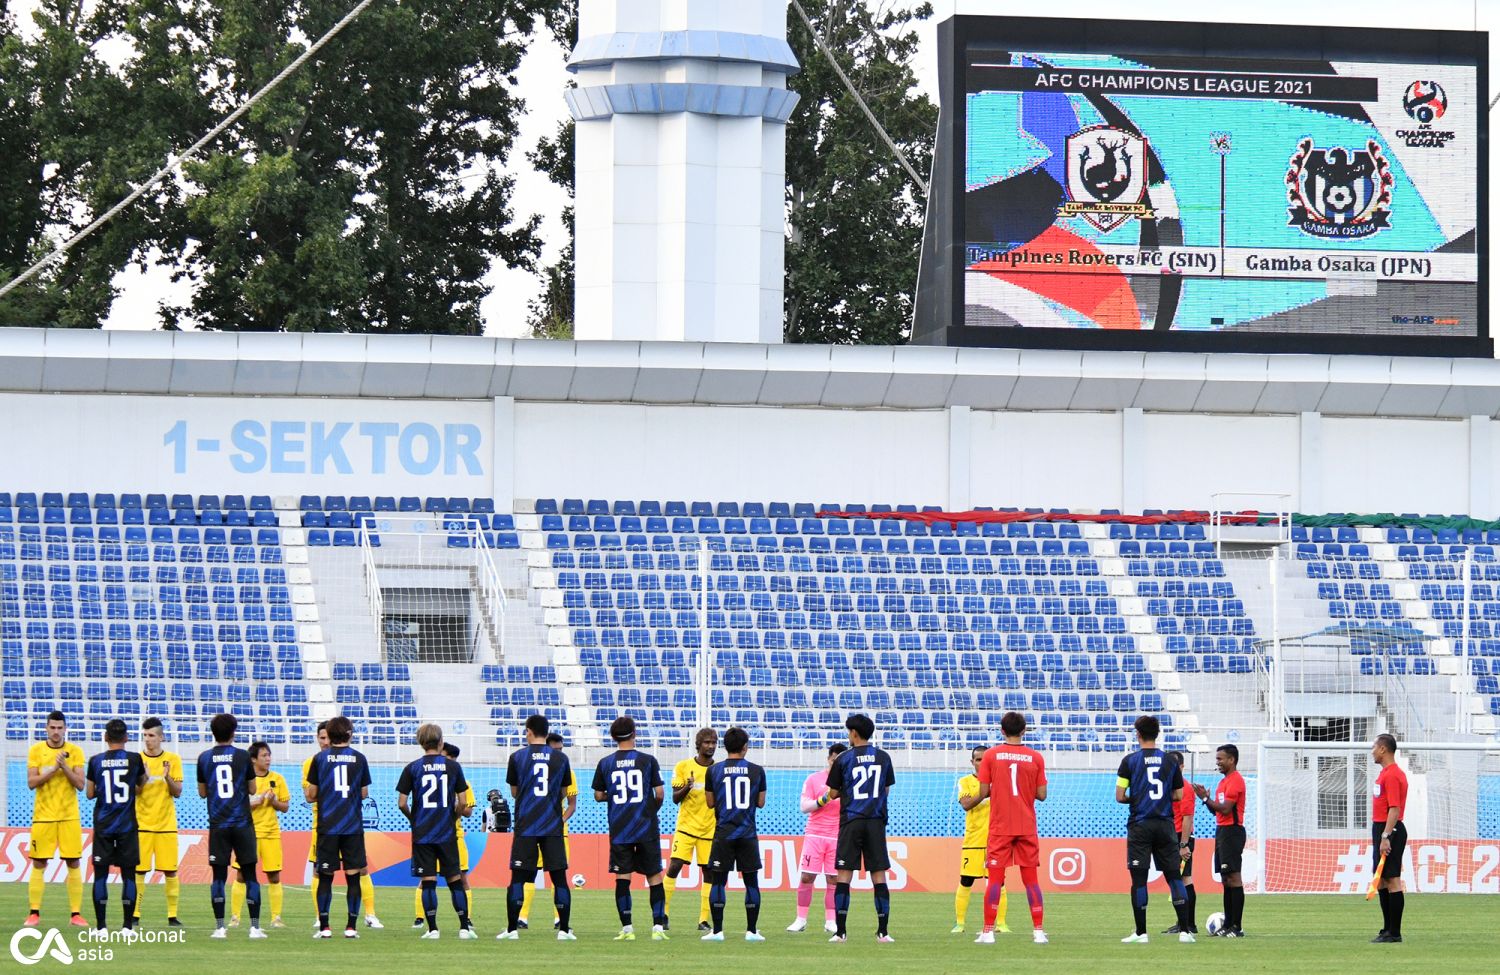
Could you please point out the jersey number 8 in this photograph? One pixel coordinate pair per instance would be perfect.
(224, 781)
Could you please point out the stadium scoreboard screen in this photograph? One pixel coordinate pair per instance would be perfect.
(1208, 187)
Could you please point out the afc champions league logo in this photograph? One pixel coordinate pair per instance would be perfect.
(49, 943)
(1339, 193)
(1106, 177)
(1425, 101)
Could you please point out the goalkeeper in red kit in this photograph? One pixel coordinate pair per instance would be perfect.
(1013, 778)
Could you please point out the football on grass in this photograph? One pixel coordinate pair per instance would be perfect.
(579, 880)
(1215, 921)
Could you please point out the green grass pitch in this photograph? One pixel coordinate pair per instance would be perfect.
(1448, 934)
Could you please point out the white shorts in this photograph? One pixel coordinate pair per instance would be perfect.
(818, 854)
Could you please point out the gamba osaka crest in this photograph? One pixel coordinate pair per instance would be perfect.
(1106, 177)
(1339, 193)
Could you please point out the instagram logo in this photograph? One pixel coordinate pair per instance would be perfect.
(1068, 866)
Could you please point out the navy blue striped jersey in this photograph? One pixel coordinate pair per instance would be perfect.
(630, 779)
(439, 783)
(341, 774)
(116, 775)
(863, 776)
(1149, 778)
(541, 773)
(737, 785)
(229, 776)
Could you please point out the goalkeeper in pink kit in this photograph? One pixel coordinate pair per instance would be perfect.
(818, 844)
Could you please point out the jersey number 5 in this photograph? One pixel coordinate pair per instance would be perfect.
(1152, 776)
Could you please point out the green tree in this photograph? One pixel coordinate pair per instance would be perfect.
(75, 133)
(367, 192)
(550, 314)
(854, 218)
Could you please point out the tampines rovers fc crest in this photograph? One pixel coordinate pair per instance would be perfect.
(1339, 193)
(1106, 177)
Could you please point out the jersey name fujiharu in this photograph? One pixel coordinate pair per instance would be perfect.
(629, 780)
(435, 783)
(736, 785)
(541, 774)
(115, 775)
(863, 776)
(341, 775)
(1151, 778)
(229, 776)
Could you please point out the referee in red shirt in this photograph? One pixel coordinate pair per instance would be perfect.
(1388, 834)
(1228, 806)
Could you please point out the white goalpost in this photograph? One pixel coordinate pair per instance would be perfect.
(1313, 815)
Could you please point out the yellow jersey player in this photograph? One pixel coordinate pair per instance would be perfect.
(695, 821)
(268, 800)
(366, 885)
(976, 842)
(452, 751)
(555, 742)
(54, 771)
(156, 814)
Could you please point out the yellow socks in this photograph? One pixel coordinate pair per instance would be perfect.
(276, 893)
(174, 889)
(75, 889)
(36, 886)
(236, 899)
(529, 891)
(1000, 913)
(669, 884)
(703, 914)
(961, 903)
(420, 912)
(367, 893)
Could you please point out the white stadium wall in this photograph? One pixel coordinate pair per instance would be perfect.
(956, 457)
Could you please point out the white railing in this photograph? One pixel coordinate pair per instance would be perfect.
(491, 589)
(1273, 505)
(373, 596)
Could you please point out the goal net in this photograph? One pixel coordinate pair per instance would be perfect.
(1314, 810)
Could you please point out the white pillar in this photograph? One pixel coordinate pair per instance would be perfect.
(1132, 460)
(1481, 481)
(960, 445)
(681, 110)
(1309, 498)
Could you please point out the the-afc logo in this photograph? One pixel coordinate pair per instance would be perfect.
(1068, 866)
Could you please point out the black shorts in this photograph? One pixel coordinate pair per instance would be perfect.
(435, 859)
(862, 841)
(347, 849)
(1229, 849)
(1187, 861)
(642, 858)
(550, 851)
(232, 843)
(1152, 839)
(742, 855)
(1398, 849)
(123, 851)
